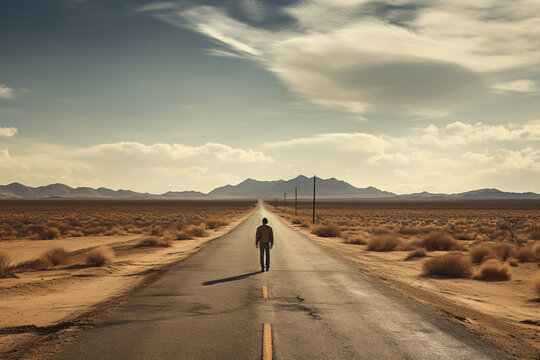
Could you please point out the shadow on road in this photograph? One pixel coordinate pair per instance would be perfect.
(232, 278)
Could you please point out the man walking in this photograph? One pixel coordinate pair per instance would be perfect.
(264, 240)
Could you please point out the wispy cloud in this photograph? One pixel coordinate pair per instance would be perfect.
(8, 131)
(427, 58)
(450, 136)
(221, 152)
(519, 86)
(6, 92)
(160, 5)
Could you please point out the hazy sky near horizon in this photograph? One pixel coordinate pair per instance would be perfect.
(406, 96)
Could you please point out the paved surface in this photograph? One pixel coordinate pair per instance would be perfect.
(211, 306)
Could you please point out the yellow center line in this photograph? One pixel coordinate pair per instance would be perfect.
(265, 292)
(267, 342)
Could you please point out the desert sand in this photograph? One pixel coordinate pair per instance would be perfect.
(506, 312)
(34, 303)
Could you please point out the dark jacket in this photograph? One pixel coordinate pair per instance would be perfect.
(264, 235)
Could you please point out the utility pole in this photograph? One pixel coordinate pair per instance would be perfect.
(277, 203)
(284, 202)
(295, 201)
(314, 181)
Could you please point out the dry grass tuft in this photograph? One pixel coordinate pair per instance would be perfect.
(357, 240)
(57, 256)
(437, 240)
(192, 231)
(50, 233)
(53, 257)
(481, 252)
(214, 223)
(450, 265)
(526, 253)
(329, 230)
(387, 242)
(493, 269)
(5, 261)
(154, 241)
(100, 256)
(504, 251)
(537, 283)
(416, 254)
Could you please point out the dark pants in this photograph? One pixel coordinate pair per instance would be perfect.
(265, 247)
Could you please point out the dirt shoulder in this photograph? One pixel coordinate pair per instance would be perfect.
(504, 312)
(47, 307)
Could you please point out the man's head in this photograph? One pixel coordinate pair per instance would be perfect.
(265, 221)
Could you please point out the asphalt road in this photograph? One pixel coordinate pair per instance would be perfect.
(211, 306)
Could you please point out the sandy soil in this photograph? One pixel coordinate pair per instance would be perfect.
(35, 304)
(506, 312)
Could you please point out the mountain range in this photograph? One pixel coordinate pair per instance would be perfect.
(325, 188)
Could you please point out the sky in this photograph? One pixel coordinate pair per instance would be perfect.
(156, 96)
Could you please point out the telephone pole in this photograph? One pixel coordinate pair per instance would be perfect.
(314, 181)
(284, 202)
(295, 201)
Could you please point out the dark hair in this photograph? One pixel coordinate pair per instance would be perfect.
(265, 221)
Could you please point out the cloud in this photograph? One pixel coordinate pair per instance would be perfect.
(422, 59)
(520, 86)
(356, 142)
(8, 131)
(165, 152)
(132, 165)
(6, 92)
(156, 6)
(447, 137)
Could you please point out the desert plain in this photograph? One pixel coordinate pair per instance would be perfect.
(476, 261)
(65, 263)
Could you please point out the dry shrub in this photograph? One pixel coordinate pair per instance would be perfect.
(192, 231)
(75, 233)
(154, 241)
(50, 233)
(100, 256)
(214, 223)
(410, 230)
(53, 257)
(416, 254)
(451, 265)
(379, 230)
(437, 240)
(387, 242)
(504, 251)
(493, 269)
(115, 231)
(526, 253)
(537, 283)
(481, 252)
(329, 230)
(357, 240)
(5, 261)
(297, 221)
(156, 231)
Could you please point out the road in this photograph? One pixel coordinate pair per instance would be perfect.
(211, 306)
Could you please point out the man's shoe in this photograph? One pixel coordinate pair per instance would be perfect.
(262, 270)
(268, 268)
